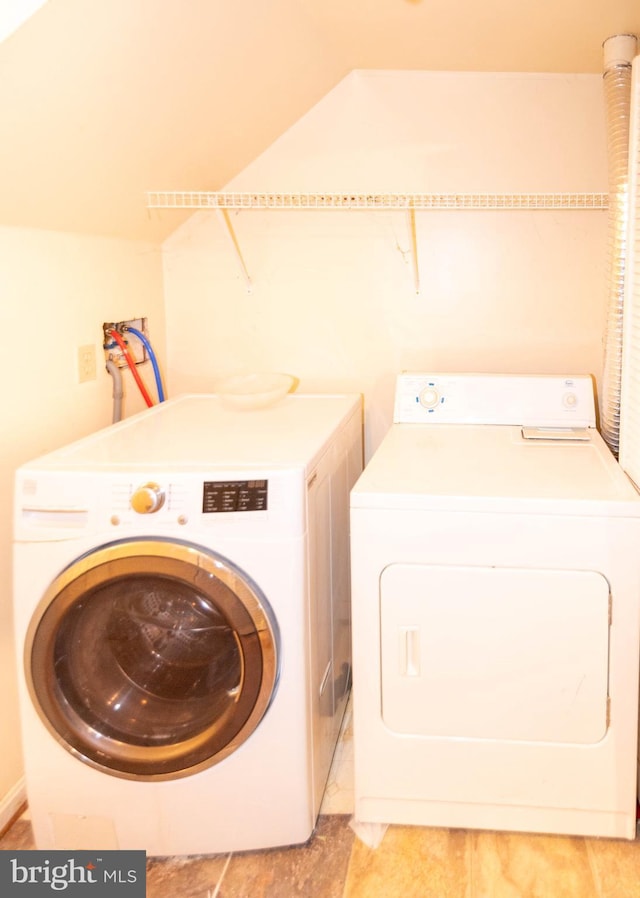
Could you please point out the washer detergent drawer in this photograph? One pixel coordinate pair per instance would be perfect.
(495, 653)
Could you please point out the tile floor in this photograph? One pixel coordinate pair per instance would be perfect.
(410, 862)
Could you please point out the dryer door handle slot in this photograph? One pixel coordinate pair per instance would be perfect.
(409, 652)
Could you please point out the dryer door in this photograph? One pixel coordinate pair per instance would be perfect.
(152, 658)
(509, 654)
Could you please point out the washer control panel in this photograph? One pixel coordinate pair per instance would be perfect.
(520, 399)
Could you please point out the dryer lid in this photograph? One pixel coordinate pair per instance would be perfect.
(470, 467)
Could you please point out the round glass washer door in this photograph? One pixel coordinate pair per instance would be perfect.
(152, 659)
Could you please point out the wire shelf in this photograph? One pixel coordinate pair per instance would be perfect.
(181, 199)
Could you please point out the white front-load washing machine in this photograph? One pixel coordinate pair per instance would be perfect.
(182, 617)
(496, 608)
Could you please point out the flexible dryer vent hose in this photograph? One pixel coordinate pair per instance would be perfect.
(619, 52)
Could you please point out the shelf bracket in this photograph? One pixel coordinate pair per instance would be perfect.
(223, 216)
(411, 221)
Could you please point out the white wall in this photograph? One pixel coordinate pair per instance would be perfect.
(57, 290)
(333, 300)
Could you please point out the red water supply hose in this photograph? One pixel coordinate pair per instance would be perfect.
(132, 365)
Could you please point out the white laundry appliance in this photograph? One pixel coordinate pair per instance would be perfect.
(182, 616)
(495, 601)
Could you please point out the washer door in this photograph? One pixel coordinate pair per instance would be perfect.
(152, 659)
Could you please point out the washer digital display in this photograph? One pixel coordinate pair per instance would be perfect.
(234, 495)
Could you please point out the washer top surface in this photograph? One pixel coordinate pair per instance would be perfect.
(199, 431)
(436, 464)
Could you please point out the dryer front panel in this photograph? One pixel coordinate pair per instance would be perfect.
(152, 658)
(495, 653)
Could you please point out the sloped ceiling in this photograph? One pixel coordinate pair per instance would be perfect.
(102, 101)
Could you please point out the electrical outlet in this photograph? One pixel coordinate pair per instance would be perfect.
(86, 363)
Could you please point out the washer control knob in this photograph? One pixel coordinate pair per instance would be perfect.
(147, 499)
(429, 397)
(570, 400)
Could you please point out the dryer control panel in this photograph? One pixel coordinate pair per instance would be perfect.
(523, 400)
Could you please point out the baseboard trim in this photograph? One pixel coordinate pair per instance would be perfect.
(12, 804)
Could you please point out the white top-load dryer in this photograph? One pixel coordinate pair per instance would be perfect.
(496, 597)
(182, 620)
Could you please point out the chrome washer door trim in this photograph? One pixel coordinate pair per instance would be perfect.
(152, 658)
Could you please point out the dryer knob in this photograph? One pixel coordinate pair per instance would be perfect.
(147, 499)
(429, 397)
